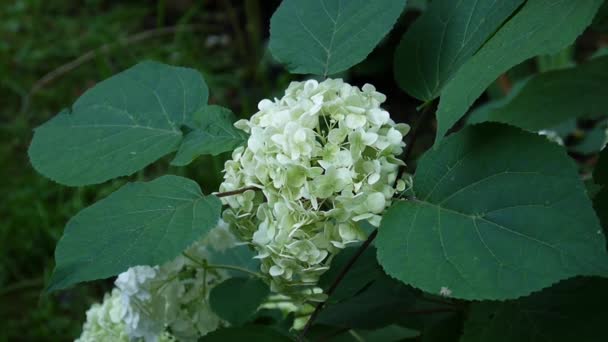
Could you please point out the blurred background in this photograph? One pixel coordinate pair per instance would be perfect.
(52, 51)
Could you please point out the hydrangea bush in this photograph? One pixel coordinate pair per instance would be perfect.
(327, 225)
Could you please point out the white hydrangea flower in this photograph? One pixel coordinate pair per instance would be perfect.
(105, 322)
(174, 295)
(324, 157)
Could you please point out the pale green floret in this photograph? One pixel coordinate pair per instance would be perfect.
(149, 301)
(105, 322)
(324, 158)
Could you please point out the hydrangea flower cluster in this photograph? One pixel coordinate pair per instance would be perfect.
(148, 301)
(105, 322)
(324, 157)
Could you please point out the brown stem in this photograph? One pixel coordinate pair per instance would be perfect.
(504, 83)
(337, 281)
(413, 136)
(415, 130)
(235, 192)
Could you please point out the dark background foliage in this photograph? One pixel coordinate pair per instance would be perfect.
(52, 51)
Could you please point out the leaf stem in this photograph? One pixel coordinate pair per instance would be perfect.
(195, 260)
(235, 268)
(207, 266)
(235, 192)
(426, 108)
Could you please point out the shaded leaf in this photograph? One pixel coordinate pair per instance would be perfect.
(539, 27)
(143, 223)
(446, 35)
(391, 333)
(385, 298)
(247, 333)
(498, 213)
(237, 299)
(442, 327)
(573, 310)
(550, 98)
(119, 126)
(600, 173)
(362, 273)
(482, 113)
(324, 37)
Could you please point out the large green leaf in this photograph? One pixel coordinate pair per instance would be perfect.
(324, 37)
(547, 99)
(573, 310)
(540, 27)
(446, 35)
(237, 299)
(143, 223)
(499, 213)
(119, 126)
(213, 133)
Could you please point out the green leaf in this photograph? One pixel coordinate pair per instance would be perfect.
(446, 35)
(573, 310)
(385, 298)
(391, 333)
(600, 173)
(241, 256)
(119, 126)
(247, 333)
(547, 99)
(499, 213)
(540, 27)
(324, 37)
(143, 223)
(237, 299)
(482, 113)
(441, 327)
(213, 133)
(364, 271)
